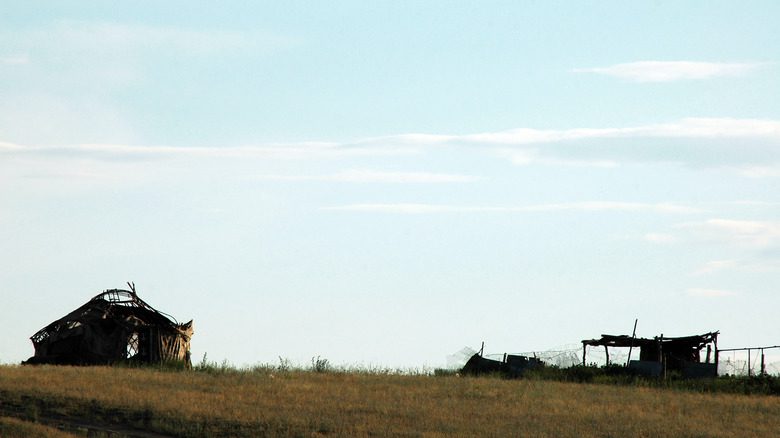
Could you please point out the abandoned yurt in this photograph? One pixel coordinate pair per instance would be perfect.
(114, 326)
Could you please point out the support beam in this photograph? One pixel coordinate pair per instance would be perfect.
(717, 353)
(763, 364)
(633, 336)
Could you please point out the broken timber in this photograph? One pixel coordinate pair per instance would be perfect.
(116, 325)
(660, 353)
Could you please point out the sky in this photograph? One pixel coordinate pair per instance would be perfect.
(383, 183)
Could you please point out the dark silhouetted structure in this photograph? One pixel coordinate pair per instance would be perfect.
(114, 326)
(510, 366)
(659, 354)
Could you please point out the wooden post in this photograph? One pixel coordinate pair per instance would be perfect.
(661, 353)
(482, 350)
(633, 335)
(709, 350)
(606, 351)
(717, 353)
(749, 372)
(763, 364)
(584, 348)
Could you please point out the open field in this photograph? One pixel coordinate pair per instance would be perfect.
(15, 428)
(266, 402)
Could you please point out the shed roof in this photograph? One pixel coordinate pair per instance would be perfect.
(629, 341)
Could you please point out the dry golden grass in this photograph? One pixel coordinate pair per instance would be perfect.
(355, 404)
(14, 428)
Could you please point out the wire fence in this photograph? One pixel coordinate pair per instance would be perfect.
(734, 362)
(562, 357)
(749, 362)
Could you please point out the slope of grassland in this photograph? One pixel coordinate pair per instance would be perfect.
(305, 404)
(15, 428)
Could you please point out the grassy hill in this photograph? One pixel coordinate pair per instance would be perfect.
(144, 402)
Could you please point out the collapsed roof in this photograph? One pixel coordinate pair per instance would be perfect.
(675, 352)
(116, 325)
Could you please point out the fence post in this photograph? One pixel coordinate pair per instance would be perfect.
(633, 335)
(584, 347)
(717, 353)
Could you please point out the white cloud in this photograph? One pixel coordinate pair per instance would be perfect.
(115, 152)
(374, 176)
(10, 147)
(750, 266)
(408, 208)
(741, 233)
(749, 146)
(710, 293)
(754, 203)
(667, 71)
(525, 157)
(660, 238)
(759, 171)
(614, 206)
(116, 39)
(39, 118)
(15, 59)
(714, 266)
(691, 127)
(412, 208)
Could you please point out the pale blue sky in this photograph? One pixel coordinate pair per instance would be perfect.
(386, 182)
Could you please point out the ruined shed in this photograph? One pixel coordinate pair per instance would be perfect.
(114, 326)
(510, 366)
(682, 354)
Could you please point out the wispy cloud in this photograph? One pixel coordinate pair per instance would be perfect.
(714, 266)
(402, 208)
(101, 38)
(753, 171)
(10, 148)
(667, 71)
(692, 127)
(750, 147)
(660, 238)
(753, 203)
(710, 293)
(374, 176)
(118, 152)
(412, 208)
(528, 156)
(751, 266)
(15, 59)
(741, 233)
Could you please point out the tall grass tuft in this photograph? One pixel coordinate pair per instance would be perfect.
(320, 364)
